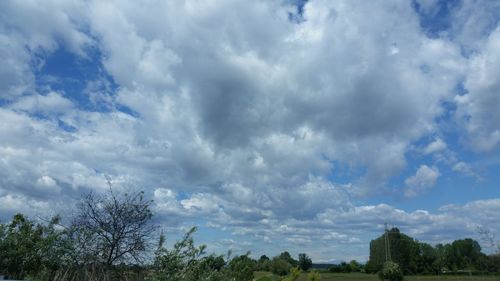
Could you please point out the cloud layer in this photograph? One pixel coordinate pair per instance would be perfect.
(250, 116)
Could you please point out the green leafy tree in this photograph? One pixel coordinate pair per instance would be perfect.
(280, 266)
(28, 248)
(427, 259)
(404, 251)
(466, 254)
(493, 263)
(214, 262)
(354, 266)
(182, 263)
(286, 256)
(264, 263)
(305, 262)
(187, 262)
(391, 272)
(242, 267)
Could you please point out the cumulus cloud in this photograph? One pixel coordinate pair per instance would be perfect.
(436, 146)
(424, 179)
(478, 108)
(464, 168)
(241, 123)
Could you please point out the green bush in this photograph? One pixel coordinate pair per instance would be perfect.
(242, 268)
(280, 266)
(294, 274)
(391, 272)
(313, 276)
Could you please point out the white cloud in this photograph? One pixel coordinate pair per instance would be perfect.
(15, 73)
(472, 22)
(436, 146)
(478, 108)
(52, 103)
(424, 179)
(247, 122)
(464, 168)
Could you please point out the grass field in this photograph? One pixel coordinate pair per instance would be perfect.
(266, 276)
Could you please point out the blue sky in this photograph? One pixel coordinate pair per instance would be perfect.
(271, 125)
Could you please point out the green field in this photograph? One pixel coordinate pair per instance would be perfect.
(261, 276)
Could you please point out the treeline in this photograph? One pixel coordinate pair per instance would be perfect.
(112, 238)
(415, 257)
(344, 267)
(283, 263)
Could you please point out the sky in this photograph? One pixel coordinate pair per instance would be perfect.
(270, 125)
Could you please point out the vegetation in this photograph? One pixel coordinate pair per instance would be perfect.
(344, 267)
(325, 276)
(313, 276)
(28, 248)
(112, 229)
(293, 275)
(305, 262)
(391, 272)
(280, 266)
(112, 234)
(415, 257)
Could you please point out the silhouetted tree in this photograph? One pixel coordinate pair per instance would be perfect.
(305, 261)
(113, 228)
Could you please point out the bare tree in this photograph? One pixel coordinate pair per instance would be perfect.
(488, 238)
(113, 228)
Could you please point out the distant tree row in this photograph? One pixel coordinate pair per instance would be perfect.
(284, 263)
(344, 267)
(415, 257)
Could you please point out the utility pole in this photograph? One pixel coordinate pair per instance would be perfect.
(387, 244)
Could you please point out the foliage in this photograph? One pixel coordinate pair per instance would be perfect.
(343, 267)
(280, 266)
(113, 228)
(293, 275)
(391, 272)
(493, 263)
(264, 263)
(183, 262)
(415, 257)
(354, 266)
(186, 262)
(27, 248)
(287, 257)
(214, 262)
(305, 262)
(242, 268)
(313, 276)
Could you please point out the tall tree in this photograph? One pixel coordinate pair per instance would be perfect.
(287, 257)
(113, 228)
(305, 261)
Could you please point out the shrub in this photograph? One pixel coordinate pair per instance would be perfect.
(313, 276)
(242, 268)
(391, 272)
(280, 266)
(294, 274)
